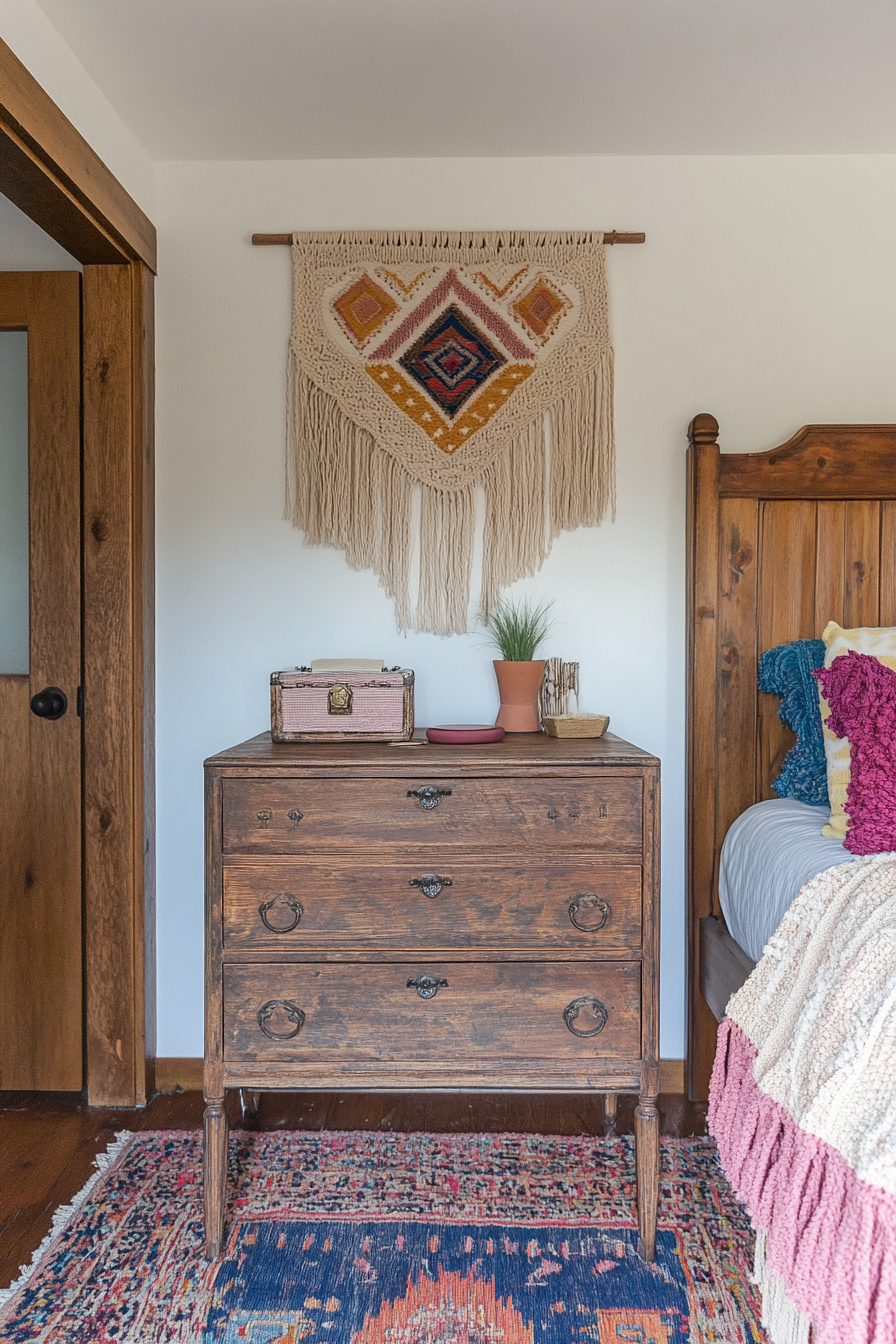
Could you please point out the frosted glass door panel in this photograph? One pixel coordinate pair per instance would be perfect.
(14, 617)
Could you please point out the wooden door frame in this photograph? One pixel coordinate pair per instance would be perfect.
(51, 173)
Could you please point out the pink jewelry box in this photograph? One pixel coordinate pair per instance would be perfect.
(342, 706)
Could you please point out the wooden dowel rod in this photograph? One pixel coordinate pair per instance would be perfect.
(284, 239)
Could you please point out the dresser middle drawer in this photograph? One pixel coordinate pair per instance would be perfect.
(458, 903)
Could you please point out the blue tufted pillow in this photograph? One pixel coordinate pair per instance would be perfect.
(787, 671)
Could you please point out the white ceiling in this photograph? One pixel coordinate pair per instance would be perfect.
(284, 79)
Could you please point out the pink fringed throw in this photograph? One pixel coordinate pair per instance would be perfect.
(803, 1107)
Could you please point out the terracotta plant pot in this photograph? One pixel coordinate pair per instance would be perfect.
(518, 687)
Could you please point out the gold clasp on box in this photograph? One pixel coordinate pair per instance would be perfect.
(339, 699)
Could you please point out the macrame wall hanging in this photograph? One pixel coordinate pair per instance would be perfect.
(440, 362)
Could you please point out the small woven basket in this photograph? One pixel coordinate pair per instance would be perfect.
(576, 725)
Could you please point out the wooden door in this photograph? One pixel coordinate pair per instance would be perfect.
(41, 956)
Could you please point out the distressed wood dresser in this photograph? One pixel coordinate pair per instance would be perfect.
(436, 917)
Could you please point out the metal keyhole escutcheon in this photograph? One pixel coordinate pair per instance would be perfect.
(430, 884)
(50, 703)
(293, 1013)
(585, 1016)
(427, 986)
(589, 912)
(428, 795)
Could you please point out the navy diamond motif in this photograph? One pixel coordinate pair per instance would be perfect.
(451, 360)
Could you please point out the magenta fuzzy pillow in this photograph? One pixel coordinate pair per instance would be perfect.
(862, 694)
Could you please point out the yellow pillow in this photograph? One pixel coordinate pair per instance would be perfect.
(879, 642)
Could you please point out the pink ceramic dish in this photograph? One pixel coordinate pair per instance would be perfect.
(465, 733)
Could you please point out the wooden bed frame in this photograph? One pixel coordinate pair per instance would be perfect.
(779, 543)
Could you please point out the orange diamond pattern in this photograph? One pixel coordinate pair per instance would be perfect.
(541, 308)
(363, 309)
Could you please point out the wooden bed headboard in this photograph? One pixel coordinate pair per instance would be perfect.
(779, 543)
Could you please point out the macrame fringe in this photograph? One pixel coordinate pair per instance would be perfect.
(64, 1214)
(567, 459)
(515, 542)
(447, 523)
(345, 490)
(583, 480)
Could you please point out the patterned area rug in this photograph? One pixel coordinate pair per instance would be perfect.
(354, 1238)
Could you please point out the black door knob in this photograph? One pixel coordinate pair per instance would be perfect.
(50, 703)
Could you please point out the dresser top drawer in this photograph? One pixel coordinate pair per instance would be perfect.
(297, 816)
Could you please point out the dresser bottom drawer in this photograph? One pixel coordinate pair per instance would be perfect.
(453, 1014)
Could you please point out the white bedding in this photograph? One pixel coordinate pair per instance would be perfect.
(771, 851)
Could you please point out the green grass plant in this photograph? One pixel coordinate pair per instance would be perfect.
(517, 628)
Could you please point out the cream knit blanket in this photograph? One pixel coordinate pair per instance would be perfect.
(821, 1010)
(803, 1107)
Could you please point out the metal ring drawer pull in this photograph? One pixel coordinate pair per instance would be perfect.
(431, 884)
(266, 1012)
(589, 900)
(427, 986)
(282, 898)
(595, 1009)
(428, 795)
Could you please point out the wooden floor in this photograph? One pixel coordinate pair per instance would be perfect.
(48, 1140)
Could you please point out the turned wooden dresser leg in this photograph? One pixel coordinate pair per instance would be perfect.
(647, 1158)
(214, 1170)
(610, 1099)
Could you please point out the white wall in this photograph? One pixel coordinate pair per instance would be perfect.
(766, 294)
(26, 29)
